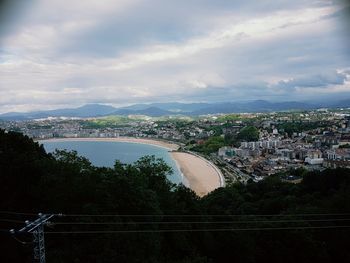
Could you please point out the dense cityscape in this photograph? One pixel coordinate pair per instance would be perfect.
(244, 146)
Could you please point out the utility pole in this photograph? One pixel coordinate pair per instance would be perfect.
(36, 228)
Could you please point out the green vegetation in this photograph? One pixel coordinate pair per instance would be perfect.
(239, 117)
(248, 133)
(33, 181)
(178, 120)
(177, 123)
(230, 117)
(115, 121)
(109, 121)
(299, 126)
(217, 129)
(211, 145)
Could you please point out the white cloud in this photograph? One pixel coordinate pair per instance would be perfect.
(224, 54)
(224, 36)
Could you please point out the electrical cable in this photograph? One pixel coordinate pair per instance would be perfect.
(200, 222)
(203, 215)
(11, 221)
(17, 213)
(194, 230)
(20, 241)
(179, 215)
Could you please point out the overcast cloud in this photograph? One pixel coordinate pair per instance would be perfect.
(56, 53)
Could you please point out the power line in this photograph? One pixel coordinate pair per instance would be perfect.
(203, 215)
(18, 213)
(194, 230)
(11, 221)
(36, 228)
(200, 222)
(180, 215)
(20, 241)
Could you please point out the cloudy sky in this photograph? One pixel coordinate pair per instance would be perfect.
(56, 53)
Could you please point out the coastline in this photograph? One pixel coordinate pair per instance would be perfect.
(168, 145)
(197, 173)
(203, 177)
(218, 171)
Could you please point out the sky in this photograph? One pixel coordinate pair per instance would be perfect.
(56, 54)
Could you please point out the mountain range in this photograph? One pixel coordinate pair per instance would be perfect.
(173, 108)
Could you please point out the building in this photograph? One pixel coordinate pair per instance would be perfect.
(226, 151)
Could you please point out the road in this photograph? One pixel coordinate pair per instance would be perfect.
(239, 175)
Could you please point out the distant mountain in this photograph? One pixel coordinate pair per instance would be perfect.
(84, 111)
(150, 111)
(222, 107)
(175, 108)
(253, 106)
(341, 104)
(88, 110)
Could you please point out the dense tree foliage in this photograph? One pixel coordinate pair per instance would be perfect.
(33, 181)
(300, 126)
(211, 145)
(248, 133)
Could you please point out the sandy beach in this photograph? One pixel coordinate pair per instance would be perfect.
(168, 145)
(202, 176)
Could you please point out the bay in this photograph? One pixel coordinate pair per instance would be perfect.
(105, 153)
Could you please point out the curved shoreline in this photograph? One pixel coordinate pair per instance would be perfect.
(197, 173)
(202, 175)
(219, 173)
(167, 145)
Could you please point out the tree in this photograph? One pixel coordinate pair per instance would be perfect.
(140, 197)
(211, 145)
(249, 133)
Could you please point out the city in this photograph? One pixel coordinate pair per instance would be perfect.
(247, 146)
(188, 131)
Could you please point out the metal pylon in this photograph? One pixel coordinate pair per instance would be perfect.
(36, 228)
(39, 245)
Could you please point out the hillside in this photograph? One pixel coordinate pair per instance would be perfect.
(151, 220)
(174, 108)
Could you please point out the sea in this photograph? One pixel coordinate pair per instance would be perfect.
(105, 153)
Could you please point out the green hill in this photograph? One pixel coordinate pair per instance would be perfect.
(152, 220)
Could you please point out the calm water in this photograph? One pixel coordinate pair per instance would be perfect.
(105, 153)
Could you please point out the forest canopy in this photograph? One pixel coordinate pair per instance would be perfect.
(269, 221)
